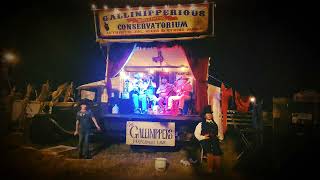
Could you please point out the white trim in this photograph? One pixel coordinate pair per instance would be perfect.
(104, 41)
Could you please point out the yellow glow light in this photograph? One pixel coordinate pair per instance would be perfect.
(105, 7)
(123, 75)
(10, 58)
(183, 69)
(93, 7)
(252, 99)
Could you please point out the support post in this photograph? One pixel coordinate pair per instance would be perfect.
(95, 23)
(213, 6)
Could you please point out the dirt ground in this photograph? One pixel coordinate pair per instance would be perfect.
(114, 161)
(292, 156)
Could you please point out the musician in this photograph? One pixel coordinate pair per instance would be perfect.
(150, 90)
(183, 90)
(164, 92)
(138, 94)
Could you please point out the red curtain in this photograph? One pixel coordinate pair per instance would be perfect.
(226, 93)
(199, 67)
(242, 103)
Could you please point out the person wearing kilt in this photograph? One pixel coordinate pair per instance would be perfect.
(207, 134)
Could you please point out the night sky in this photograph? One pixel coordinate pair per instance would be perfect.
(265, 47)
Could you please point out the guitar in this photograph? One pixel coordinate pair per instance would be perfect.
(183, 88)
(141, 87)
(168, 91)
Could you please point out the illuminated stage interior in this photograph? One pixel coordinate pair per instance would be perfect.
(152, 63)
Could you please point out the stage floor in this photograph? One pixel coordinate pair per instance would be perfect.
(153, 117)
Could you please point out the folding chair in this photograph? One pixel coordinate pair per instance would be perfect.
(248, 147)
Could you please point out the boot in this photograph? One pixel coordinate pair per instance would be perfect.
(217, 164)
(210, 162)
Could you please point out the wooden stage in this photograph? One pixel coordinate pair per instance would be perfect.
(148, 117)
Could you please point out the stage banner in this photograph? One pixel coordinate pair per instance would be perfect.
(150, 133)
(180, 19)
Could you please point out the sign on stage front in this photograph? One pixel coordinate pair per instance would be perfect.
(150, 133)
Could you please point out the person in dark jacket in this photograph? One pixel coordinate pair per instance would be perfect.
(207, 133)
(83, 128)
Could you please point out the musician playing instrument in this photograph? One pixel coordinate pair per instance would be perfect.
(150, 86)
(183, 90)
(139, 95)
(164, 91)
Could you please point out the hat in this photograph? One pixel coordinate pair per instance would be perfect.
(206, 110)
(84, 102)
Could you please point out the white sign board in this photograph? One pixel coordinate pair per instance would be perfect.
(150, 133)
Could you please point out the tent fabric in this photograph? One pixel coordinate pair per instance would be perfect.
(172, 56)
(226, 93)
(242, 103)
(214, 98)
(100, 83)
(119, 54)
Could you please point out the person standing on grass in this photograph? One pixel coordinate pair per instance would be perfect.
(207, 133)
(83, 128)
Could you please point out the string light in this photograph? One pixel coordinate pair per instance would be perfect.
(105, 7)
(93, 7)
